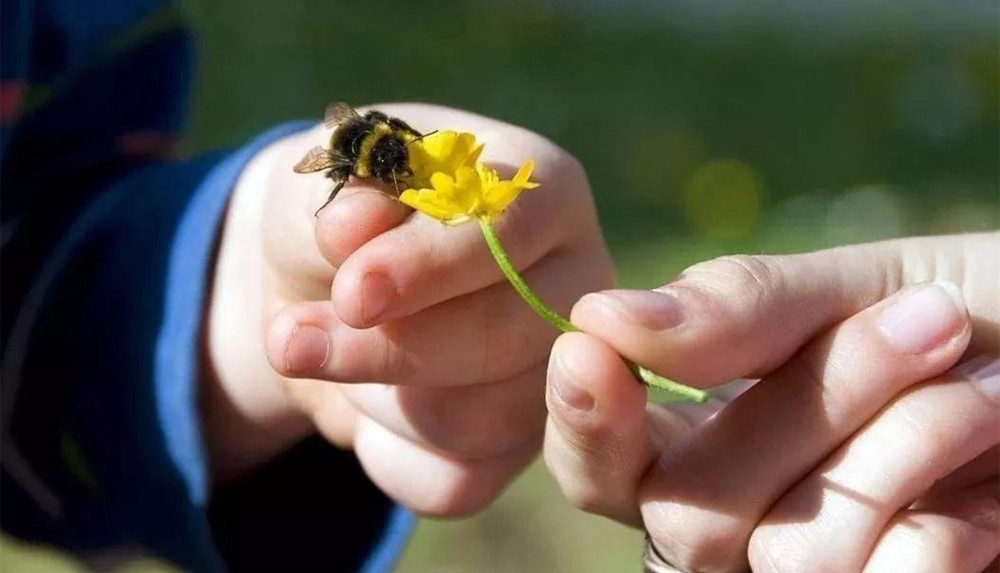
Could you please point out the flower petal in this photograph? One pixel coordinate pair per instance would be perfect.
(451, 185)
(473, 157)
(500, 196)
(523, 174)
(468, 180)
(443, 183)
(432, 203)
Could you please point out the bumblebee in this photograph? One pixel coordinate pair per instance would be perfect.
(372, 145)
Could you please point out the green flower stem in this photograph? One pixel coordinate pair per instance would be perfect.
(674, 389)
(518, 283)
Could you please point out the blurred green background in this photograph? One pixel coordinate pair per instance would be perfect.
(707, 128)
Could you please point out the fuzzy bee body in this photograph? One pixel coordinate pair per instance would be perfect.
(369, 146)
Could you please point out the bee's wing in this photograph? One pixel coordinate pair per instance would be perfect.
(338, 112)
(318, 159)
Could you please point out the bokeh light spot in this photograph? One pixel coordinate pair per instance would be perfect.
(723, 199)
(865, 213)
(661, 160)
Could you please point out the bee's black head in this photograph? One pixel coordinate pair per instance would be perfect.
(389, 158)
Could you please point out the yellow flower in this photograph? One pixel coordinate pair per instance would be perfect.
(441, 152)
(468, 192)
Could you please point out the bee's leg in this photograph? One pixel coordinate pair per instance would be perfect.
(333, 193)
(407, 174)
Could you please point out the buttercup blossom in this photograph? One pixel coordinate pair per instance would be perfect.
(450, 185)
(457, 188)
(442, 152)
(471, 193)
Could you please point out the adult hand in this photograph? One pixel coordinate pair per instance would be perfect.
(816, 467)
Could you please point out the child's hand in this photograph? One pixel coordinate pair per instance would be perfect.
(816, 467)
(426, 361)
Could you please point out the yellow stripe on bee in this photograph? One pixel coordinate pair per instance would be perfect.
(363, 168)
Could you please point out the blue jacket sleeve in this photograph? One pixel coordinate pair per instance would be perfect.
(102, 450)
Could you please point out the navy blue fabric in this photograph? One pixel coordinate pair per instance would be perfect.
(108, 246)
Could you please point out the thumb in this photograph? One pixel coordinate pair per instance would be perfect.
(743, 316)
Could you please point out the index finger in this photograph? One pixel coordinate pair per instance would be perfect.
(762, 309)
(420, 262)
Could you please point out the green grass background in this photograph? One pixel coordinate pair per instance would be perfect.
(703, 133)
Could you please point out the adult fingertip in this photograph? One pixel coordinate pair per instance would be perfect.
(923, 318)
(650, 310)
(567, 392)
(660, 329)
(589, 383)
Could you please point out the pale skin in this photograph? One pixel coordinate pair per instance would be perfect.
(387, 332)
(861, 448)
(439, 391)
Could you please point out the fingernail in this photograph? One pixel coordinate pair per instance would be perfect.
(377, 293)
(565, 390)
(923, 318)
(654, 310)
(307, 350)
(984, 373)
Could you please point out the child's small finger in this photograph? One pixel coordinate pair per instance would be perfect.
(483, 337)
(358, 214)
(463, 422)
(597, 441)
(422, 262)
(297, 342)
(428, 482)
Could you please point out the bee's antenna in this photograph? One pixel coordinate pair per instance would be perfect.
(421, 137)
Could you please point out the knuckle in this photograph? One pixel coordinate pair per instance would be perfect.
(707, 547)
(585, 497)
(568, 164)
(819, 379)
(521, 228)
(571, 178)
(454, 496)
(460, 431)
(348, 360)
(499, 341)
(780, 549)
(455, 422)
(604, 272)
(362, 358)
(911, 417)
(591, 490)
(396, 361)
(755, 275)
(511, 347)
